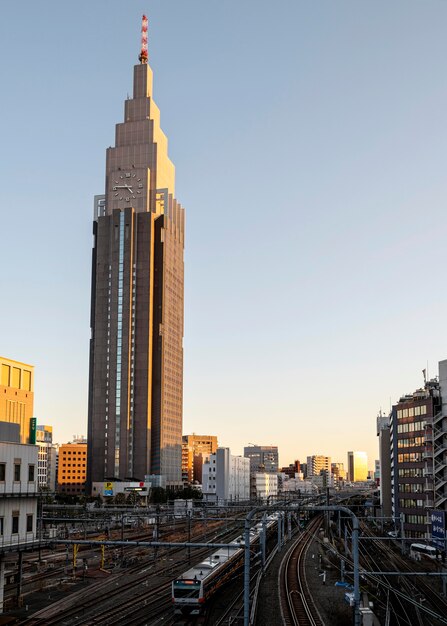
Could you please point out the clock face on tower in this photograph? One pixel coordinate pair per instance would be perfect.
(125, 187)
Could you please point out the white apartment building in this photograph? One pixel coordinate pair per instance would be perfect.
(226, 478)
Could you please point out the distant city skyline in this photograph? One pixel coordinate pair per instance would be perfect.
(309, 141)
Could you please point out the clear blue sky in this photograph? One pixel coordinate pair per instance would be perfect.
(310, 144)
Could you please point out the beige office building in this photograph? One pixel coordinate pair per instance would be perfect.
(17, 395)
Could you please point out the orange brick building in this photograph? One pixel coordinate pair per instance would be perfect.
(72, 468)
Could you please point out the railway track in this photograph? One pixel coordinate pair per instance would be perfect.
(297, 605)
(413, 588)
(127, 598)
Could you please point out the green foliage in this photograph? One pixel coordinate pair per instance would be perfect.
(158, 495)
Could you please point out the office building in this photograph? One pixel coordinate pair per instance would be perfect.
(226, 478)
(17, 395)
(72, 470)
(440, 444)
(357, 466)
(46, 467)
(338, 474)
(418, 457)
(262, 458)
(384, 481)
(196, 449)
(136, 349)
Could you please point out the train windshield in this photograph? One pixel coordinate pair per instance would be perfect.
(186, 589)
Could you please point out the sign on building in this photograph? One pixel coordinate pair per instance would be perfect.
(32, 429)
(108, 489)
(438, 529)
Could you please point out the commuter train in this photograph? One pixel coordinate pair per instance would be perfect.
(420, 549)
(192, 590)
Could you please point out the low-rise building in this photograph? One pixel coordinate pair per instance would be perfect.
(111, 488)
(265, 485)
(18, 492)
(298, 484)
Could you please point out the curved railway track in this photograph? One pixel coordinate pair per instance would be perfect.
(297, 605)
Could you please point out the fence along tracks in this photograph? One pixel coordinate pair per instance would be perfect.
(297, 606)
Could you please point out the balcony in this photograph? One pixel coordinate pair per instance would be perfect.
(26, 541)
(19, 489)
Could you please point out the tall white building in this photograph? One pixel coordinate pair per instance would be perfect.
(46, 469)
(226, 477)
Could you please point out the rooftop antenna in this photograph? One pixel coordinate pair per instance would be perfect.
(143, 56)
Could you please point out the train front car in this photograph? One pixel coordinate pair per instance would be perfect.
(192, 590)
(187, 596)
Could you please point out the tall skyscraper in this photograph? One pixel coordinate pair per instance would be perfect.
(136, 350)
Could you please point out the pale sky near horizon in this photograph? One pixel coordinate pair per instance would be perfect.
(310, 142)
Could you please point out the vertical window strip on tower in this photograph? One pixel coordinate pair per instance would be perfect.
(119, 339)
(132, 373)
(106, 434)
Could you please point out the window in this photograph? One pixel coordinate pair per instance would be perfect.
(2, 472)
(29, 523)
(30, 473)
(17, 472)
(15, 523)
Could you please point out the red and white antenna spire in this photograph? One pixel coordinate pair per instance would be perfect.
(143, 57)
